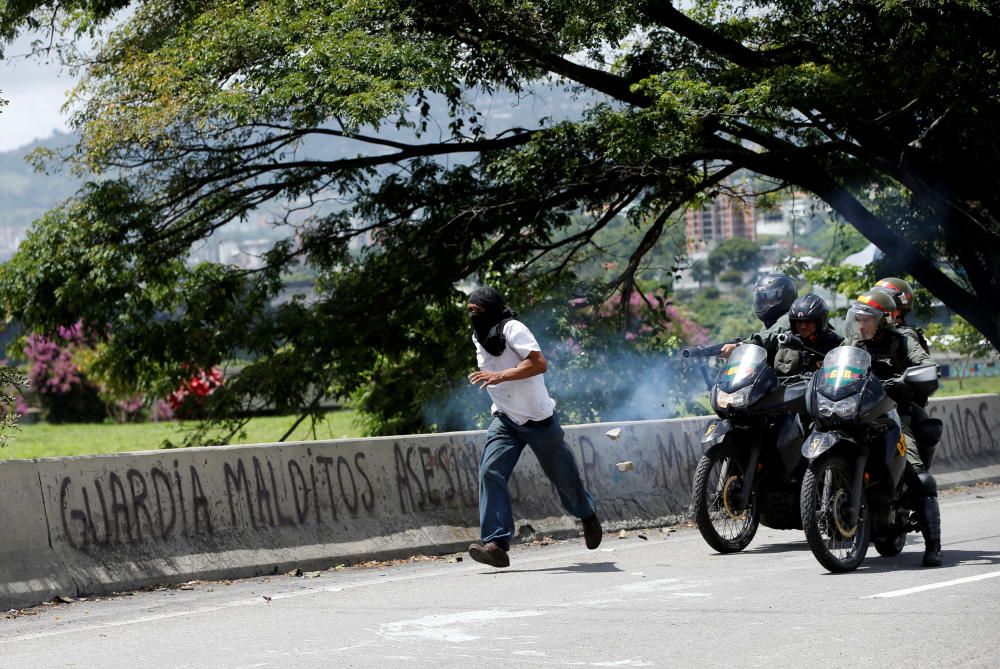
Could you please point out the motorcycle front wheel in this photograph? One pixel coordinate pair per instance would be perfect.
(725, 525)
(838, 543)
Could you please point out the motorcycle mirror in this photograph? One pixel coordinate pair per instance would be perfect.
(921, 374)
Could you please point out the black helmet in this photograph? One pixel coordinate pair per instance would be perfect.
(878, 304)
(772, 295)
(810, 307)
(899, 290)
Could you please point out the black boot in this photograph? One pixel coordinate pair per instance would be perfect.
(932, 532)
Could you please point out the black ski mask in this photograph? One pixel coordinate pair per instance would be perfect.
(488, 325)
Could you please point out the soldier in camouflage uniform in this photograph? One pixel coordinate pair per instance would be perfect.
(926, 429)
(773, 294)
(809, 318)
(892, 353)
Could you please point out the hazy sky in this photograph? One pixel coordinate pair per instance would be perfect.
(35, 93)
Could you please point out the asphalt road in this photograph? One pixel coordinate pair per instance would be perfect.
(664, 601)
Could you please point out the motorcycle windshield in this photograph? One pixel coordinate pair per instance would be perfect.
(742, 366)
(843, 373)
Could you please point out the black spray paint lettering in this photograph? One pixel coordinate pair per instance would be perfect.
(968, 435)
(131, 518)
(141, 506)
(591, 463)
(433, 479)
(298, 479)
(368, 496)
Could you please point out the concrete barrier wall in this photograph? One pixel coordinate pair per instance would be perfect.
(95, 524)
(30, 571)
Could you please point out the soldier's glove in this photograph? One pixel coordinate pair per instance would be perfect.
(897, 390)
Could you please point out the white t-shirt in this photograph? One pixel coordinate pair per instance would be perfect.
(523, 400)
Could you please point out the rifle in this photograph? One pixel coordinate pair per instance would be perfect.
(710, 351)
(794, 341)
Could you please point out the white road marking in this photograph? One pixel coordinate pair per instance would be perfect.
(449, 627)
(655, 585)
(933, 586)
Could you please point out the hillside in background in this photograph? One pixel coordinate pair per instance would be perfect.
(25, 194)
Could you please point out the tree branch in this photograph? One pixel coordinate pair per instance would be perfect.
(627, 278)
(599, 80)
(666, 15)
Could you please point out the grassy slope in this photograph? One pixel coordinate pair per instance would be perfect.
(971, 386)
(43, 440)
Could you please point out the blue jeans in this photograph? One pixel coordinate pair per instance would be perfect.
(505, 440)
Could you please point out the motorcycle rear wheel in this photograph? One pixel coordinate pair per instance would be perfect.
(717, 483)
(838, 544)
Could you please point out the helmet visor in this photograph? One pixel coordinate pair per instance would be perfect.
(863, 321)
(766, 299)
(863, 310)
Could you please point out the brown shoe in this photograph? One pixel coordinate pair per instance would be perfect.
(491, 554)
(592, 531)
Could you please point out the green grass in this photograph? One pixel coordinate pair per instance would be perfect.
(971, 386)
(43, 440)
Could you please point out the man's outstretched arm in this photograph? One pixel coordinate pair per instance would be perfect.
(533, 365)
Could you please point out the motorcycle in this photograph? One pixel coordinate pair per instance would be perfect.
(854, 491)
(752, 465)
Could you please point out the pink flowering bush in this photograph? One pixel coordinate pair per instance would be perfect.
(161, 411)
(129, 409)
(52, 371)
(65, 393)
(684, 328)
(650, 315)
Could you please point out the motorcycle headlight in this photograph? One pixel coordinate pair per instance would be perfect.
(845, 408)
(735, 399)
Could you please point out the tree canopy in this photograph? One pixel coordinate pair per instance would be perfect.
(737, 254)
(195, 114)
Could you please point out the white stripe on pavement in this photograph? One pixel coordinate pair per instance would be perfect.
(933, 586)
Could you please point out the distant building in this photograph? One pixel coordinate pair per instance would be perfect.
(803, 210)
(725, 217)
